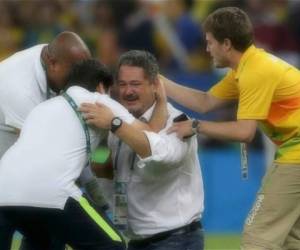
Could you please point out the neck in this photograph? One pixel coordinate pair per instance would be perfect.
(234, 60)
(141, 113)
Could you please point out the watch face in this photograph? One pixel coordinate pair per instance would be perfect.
(116, 122)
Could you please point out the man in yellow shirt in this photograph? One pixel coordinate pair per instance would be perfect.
(268, 93)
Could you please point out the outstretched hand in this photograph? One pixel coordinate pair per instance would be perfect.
(97, 114)
(182, 129)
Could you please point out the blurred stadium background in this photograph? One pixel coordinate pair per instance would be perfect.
(171, 29)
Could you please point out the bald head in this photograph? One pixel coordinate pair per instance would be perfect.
(69, 47)
(66, 49)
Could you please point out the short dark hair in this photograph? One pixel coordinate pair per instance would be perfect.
(88, 74)
(142, 59)
(231, 23)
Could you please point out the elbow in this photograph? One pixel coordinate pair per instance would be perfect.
(202, 109)
(144, 152)
(247, 137)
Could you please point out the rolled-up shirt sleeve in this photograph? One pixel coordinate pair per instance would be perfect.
(166, 149)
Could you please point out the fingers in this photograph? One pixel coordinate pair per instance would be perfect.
(88, 115)
(175, 129)
(96, 114)
(172, 129)
(86, 107)
(100, 105)
(91, 107)
(91, 121)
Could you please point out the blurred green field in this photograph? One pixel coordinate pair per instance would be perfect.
(212, 242)
(222, 242)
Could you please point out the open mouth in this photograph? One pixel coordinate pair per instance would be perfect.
(131, 100)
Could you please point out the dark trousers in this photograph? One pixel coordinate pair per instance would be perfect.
(189, 237)
(79, 225)
(6, 232)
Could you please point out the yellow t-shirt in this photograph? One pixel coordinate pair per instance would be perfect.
(268, 90)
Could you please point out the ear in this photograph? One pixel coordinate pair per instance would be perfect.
(100, 88)
(227, 44)
(49, 59)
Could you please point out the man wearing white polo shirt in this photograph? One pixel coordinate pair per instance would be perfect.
(40, 169)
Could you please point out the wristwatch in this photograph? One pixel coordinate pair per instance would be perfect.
(116, 122)
(195, 123)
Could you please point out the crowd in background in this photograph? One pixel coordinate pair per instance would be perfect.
(170, 29)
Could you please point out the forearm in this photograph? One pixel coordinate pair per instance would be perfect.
(159, 116)
(195, 100)
(135, 138)
(236, 130)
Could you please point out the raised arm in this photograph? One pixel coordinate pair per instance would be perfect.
(193, 99)
(132, 134)
(160, 113)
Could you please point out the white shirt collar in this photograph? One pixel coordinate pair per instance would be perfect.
(147, 115)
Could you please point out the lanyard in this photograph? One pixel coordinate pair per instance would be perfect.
(118, 154)
(83, 123)
(244, 161)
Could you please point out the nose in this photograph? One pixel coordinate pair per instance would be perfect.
(128, 90)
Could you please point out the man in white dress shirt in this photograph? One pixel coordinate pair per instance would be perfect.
(158, 197)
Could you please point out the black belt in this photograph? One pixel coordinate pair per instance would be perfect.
(163, 235)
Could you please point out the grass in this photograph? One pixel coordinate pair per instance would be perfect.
(222, 242)
(212, 242)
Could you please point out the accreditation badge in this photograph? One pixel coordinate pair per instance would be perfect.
(120, 213)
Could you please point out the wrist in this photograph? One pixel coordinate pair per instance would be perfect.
(115, 124)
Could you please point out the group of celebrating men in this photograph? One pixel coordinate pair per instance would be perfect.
(55, 108)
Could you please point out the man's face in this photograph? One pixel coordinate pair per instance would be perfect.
(57, 75)
(136, 92)
(58, 70)
(217, 51)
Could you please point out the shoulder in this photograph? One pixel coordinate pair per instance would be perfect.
(173, 112)
(175, 115)
(21, 65)
(80, 95)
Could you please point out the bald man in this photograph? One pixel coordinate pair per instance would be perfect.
(30, 77)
